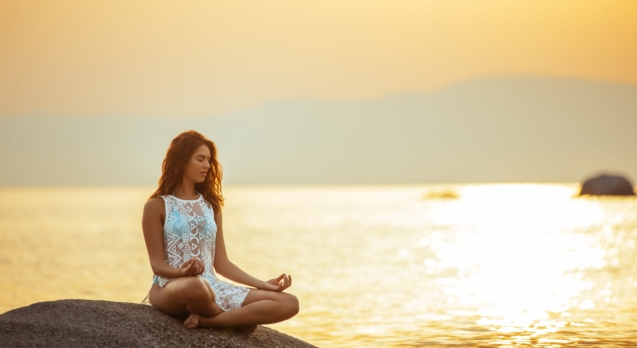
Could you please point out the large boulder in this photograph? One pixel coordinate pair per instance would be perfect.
(85, 323)
(611, 185)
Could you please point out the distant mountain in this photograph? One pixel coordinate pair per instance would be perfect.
(486, 130)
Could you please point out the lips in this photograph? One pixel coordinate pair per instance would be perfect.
(203, 173)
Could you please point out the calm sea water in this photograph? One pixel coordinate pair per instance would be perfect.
(494, 265)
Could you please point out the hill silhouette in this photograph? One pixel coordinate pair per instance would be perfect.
(486, 130)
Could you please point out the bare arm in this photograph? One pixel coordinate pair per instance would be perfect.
(154, 237)
(224, 266)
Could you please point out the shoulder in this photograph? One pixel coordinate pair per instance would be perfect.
(210, 206)
(215, 214)
(155, 205)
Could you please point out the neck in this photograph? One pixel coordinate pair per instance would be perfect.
(185, 190)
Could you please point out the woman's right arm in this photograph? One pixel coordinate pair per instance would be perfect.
(154, 237)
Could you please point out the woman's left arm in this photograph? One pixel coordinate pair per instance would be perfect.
(229, 270)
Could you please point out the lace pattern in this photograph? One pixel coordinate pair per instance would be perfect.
(190, 231)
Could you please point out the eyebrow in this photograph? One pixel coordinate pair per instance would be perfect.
(203, 156)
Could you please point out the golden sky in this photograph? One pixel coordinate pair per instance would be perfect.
(197, 58)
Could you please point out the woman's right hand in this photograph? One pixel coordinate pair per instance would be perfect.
(192, 267)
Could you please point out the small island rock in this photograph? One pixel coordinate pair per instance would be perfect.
(611, 185)
(87, 323)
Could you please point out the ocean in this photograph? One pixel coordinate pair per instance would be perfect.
(449, 265)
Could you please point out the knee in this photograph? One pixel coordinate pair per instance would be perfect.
(292, 304)
(197, 288)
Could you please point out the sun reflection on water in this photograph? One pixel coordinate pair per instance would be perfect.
(522, 268)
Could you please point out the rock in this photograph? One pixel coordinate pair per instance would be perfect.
(611, 185)
(86, 323)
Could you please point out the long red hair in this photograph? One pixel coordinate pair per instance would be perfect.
(178, 154)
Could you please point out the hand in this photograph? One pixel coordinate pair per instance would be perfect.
(192, 267)
(280, 283)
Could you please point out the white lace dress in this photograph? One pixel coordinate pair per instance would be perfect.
(190, 231)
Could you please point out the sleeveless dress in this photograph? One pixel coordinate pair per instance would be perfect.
(190, 231)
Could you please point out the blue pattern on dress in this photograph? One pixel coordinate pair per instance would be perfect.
(190, 231)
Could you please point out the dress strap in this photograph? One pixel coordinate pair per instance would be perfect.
(145, 300)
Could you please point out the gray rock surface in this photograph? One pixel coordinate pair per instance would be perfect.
(86, 323)
(607, 185)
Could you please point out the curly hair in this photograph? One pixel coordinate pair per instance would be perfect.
(181, 149)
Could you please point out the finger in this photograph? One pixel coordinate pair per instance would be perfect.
(274, 286)
(290, 280)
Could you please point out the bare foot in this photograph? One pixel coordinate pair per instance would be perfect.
(192, 321)
(195, 320)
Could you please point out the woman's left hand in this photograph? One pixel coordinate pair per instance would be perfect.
(280, 283)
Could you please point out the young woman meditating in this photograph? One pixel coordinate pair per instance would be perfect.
(183, 231)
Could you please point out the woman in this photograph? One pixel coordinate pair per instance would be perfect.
(182, 226)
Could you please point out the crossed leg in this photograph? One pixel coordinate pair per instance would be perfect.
(259, 307)
(185, 295)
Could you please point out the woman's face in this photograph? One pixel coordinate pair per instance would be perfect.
(199, 165)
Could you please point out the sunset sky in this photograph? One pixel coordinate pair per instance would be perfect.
(204, 58)
(319, 91)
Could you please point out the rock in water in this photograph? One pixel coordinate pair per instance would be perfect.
(611, 185)
(86, 323)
